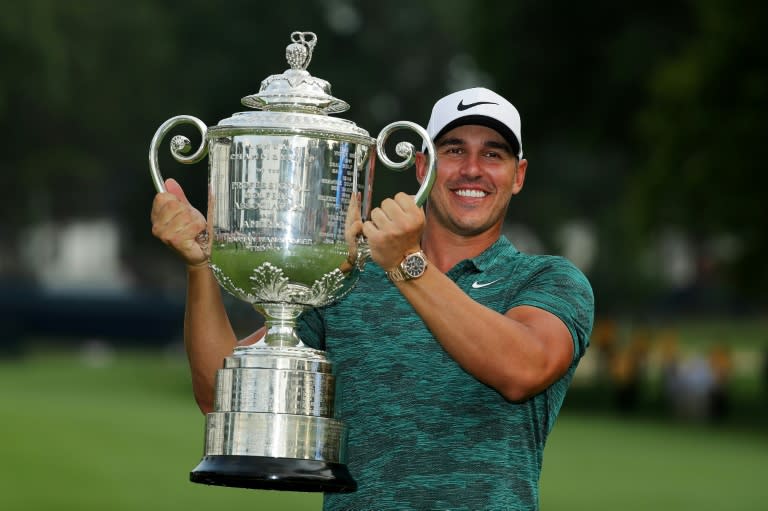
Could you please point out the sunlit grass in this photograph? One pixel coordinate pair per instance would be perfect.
(120, 431)
(109, 433)
(610, 463)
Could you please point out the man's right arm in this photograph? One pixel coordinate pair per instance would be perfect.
(208, 333)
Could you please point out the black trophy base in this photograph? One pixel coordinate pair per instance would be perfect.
(265, 473)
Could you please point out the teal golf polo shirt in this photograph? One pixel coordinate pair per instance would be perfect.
(424, 434)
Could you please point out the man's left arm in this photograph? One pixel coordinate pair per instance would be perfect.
(519, 353)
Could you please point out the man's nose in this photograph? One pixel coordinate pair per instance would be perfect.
(472, 166)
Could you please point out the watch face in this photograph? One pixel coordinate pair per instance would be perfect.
(414, 265)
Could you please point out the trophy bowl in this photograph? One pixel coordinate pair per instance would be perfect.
(285, 181)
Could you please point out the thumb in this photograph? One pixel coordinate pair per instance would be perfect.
(173, 187)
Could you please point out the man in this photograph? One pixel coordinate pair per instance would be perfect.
(454, 352)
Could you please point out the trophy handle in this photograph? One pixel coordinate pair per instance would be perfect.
(407, 151)
(180, 146)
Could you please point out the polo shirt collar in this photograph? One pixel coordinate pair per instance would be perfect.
(485, 259)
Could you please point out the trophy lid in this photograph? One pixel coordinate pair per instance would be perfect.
(296, 90)
(294, 102)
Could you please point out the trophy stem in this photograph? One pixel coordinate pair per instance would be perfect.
(280, 320)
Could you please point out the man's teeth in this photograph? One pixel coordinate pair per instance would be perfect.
(471, 193)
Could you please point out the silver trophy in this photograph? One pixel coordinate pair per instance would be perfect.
(284, 182)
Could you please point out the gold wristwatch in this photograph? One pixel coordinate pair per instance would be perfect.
(413, 266)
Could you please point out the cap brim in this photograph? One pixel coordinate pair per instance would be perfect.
(488, 122)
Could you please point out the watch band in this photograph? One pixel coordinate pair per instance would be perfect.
(397, 274)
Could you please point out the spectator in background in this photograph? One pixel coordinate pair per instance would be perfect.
(695, 389)
(719, 396)
(628, 372)
(669, 347)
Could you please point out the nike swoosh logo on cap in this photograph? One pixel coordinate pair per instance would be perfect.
(478, 285)
(461, 106)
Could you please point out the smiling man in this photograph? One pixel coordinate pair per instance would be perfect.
(454, 352)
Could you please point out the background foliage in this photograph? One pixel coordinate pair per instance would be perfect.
(637, 117)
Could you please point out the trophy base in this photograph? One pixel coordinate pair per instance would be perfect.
(265, 473)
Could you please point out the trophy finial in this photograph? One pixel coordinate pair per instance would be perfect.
(299, 52)
(295, 90)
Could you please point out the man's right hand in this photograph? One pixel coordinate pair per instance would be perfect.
(177, 224)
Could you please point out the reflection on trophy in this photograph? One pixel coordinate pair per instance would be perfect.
(284, 183)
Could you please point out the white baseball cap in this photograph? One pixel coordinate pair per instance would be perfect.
(477, 106)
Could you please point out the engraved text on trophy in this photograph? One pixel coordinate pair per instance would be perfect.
(283, 201)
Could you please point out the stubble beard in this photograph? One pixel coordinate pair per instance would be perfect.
(454, 223)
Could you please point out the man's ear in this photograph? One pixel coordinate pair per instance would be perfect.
(522, 168)
(421, 166)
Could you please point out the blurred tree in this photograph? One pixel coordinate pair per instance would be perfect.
(73, 77)
(635, 116)
(645, 115)
(701, 131)
(578, 72)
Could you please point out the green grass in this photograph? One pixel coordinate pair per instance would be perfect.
(123, 436)
(594, 462)
(122, 433)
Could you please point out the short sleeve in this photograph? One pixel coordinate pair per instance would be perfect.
(560, 288)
